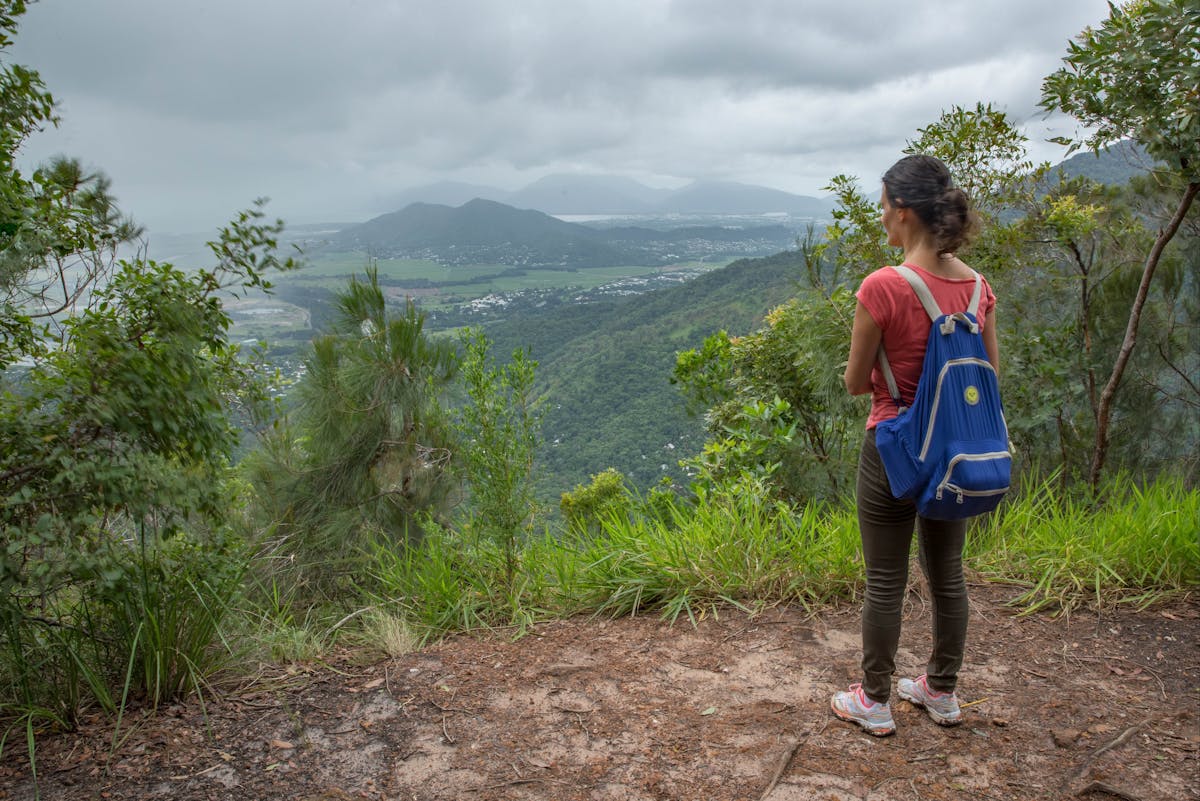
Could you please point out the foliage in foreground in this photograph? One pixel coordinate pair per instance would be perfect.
(118, 388)
(118, 564)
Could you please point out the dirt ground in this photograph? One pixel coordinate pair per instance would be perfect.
(737, 707)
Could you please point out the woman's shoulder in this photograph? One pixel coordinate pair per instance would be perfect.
(950, 271)
(883, 276)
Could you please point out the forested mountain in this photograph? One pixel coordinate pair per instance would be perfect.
(487, 232)
(604, 368)
(1113, 165)
(477, 222)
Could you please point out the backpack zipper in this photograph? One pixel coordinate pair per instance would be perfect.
(945, 484)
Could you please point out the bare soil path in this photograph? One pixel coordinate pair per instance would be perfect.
(735, 707)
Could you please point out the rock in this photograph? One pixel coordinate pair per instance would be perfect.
(1064, 738)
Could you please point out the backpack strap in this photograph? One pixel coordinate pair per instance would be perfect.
(923, 294)
(890, 378)
(976, 295)
(935, 313)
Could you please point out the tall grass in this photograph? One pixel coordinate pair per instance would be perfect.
(278, 620)
(451, 581)
(734, 548)
(153, 627)
(170, 614)
(1139, 545)
(141, 617)
(737, 547)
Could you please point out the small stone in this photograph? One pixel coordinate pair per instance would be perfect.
(1064, 738)
(1001, 722)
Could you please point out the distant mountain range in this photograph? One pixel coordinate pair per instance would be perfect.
(606, 194)
(488, 232)
(458, 223)
(565, 194)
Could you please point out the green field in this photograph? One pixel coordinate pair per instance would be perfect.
(435, 287)
(334, 268)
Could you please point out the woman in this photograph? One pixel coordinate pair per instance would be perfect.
(929, 218)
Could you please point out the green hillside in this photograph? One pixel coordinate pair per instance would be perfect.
(604, 368)
(1113, 165)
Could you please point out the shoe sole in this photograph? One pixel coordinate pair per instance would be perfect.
(871, 730)
(934, 716)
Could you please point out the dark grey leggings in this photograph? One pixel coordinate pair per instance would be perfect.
(886, 526)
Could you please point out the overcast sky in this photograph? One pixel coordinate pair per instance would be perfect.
(196, 108)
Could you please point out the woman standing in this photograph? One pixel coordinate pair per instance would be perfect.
(929, 218)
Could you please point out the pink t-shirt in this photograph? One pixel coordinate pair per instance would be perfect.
(898, 312)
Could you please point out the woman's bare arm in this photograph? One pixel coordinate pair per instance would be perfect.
(864, 346)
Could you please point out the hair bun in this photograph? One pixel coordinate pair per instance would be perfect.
(952, 199)
(955, 221)
(926, 186)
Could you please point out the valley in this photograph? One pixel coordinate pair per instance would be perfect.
(605, 336)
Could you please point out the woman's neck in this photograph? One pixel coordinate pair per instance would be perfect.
(926, 256)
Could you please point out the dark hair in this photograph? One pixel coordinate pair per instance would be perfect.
(923, 183)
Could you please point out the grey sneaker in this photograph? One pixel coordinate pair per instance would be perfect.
(942, 707)
(853, 706)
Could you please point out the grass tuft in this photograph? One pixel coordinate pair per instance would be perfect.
(1139, 546)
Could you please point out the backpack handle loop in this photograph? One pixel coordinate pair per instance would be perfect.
(947, 326)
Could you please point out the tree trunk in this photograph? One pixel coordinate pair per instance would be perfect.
(1104, 412)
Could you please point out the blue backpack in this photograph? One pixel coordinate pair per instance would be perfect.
(949, 451)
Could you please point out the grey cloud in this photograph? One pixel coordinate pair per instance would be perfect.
(314, 101)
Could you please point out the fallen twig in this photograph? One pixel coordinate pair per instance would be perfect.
(786, 759)
(515, 783)
(1120, 738)
(1101, 787)
(450, 708)
(186, 776)
(1124, 736)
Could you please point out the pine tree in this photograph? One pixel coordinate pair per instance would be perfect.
(366, 449)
